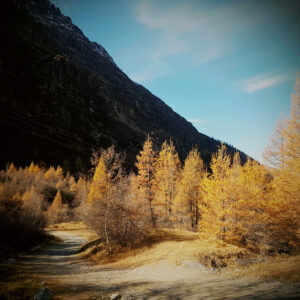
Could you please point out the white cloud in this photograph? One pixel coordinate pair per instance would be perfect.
(261, 82)
(197, 121)
(149, 72)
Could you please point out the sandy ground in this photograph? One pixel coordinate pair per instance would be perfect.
(69, 277)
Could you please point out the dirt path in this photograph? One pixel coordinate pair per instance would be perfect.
(68, 277)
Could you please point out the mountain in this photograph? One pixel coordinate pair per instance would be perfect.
(62, 95)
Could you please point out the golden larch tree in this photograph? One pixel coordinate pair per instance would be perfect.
(50, 174)
(214, 204)
(145, 165)
(189, 189)
(285, 199)
(166, 174)
(100, 184)
(55, 211)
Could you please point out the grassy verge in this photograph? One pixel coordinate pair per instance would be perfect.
(280, 268)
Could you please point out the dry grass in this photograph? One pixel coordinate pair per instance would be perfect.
(174, 245)
(283, 269)
(79, 228)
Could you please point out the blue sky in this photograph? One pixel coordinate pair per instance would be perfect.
(227, 66)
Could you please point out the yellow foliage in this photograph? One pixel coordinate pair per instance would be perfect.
(57, 203)
(31, 167)
(166, 174)
(284, 208)
(50, 174)
(214, 205)
(59, 173)
(11, 170)
(189, 192)
(145, 165)
(100, 184)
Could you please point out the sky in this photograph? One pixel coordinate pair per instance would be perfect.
(228, 66)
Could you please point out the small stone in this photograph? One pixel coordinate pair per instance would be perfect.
(43, 294)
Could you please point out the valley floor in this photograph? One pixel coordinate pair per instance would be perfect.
(70, 277)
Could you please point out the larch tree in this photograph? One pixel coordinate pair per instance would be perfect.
(285, 198)
(100, 184)
(11, 170)
(145, 166)
(253, 188)
(59, 173)
(31, 167)
(166, 174)
(189, 188)
(99, 201)
(50, 174)
(214, 204)
(32, 203)
(55, 210)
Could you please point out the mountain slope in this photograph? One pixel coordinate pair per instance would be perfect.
(62, 95)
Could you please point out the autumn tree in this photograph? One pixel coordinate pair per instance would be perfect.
(166, 174)
(100, 184)
(110, 211)
(50, 174)
(11, 170)
(31, 167)
(80, 192)
(213, 206)
(145, 166)
(189, 189)
(55, 211)
(285, 199)
(59, 173)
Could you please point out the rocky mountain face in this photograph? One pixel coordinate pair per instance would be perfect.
(62, 95)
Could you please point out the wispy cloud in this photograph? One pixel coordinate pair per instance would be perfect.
(204, 32)
(194, 32)
(197, 121)
(149, 72)
(261, 82)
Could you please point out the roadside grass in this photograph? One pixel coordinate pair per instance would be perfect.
(280, 268)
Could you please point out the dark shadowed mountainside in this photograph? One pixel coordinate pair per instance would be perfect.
(62, 95)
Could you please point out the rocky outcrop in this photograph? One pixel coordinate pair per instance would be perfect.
(62, 95)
